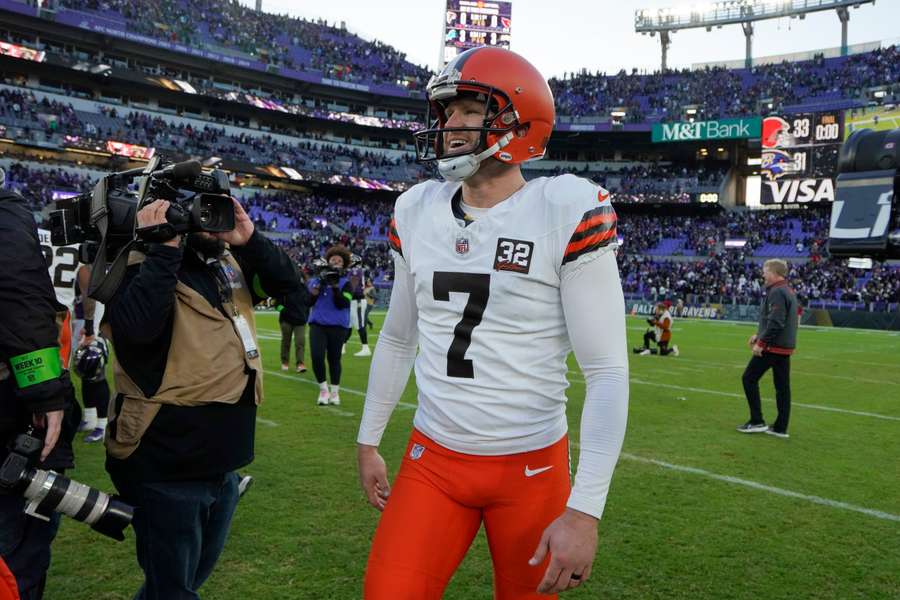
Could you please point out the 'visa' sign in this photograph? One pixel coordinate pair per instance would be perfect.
(790, 191)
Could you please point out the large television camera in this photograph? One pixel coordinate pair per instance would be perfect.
(49, 492)
(865, 219)
(104, 221)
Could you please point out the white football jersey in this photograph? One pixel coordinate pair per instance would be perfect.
(63, 262)
(491, 368)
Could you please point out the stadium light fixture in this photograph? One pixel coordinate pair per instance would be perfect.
(737, 12)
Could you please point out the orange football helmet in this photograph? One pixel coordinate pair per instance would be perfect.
(519, 112)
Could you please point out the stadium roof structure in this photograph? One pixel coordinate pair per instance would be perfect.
(733, 12)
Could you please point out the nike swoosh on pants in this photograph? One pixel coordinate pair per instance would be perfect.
(533, 472)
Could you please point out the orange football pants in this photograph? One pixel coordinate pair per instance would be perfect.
(65, 338)
(437, 504)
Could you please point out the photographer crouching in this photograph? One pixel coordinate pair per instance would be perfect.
(35, 392)
(188, 378)
(329, 321)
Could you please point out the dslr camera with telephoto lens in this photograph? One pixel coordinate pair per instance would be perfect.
(48, 492)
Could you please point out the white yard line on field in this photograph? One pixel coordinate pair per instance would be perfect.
(714, 363)
(736, 395)
(803, 356)
(680, 367)
(666, 465)
(268, 334)
(816, 328)
(878, 514)
(344, 390)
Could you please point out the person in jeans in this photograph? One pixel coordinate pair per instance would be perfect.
(293, 312)
(329, 322)
(772, 346)
(188, 377)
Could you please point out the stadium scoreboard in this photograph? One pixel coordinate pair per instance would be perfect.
(474, 23)
(799, 157)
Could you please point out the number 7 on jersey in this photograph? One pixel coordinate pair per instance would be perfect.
(478, 286)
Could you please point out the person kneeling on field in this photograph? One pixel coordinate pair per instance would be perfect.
(660, 333)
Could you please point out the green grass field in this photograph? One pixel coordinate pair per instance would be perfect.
(696, 509)
(877, 118)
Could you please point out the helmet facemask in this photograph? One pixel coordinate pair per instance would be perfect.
(498, 125)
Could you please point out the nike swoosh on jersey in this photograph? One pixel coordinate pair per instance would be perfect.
(533, 472)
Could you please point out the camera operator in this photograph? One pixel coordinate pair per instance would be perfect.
(188, 379)
(34, 388)
(329, 321)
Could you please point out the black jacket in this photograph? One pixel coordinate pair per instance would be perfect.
(186, 442)
(779, 319)
(295, 306)
(28, 309)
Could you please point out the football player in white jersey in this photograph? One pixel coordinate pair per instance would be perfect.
(70, 282)
(87, 316)
(496, 281)
(62, 263)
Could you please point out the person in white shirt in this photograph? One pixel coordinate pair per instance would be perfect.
(496, 281)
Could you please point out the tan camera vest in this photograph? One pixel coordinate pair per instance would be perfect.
(206, 362)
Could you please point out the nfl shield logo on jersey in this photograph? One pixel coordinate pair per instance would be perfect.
(417, 451)
(462, 245)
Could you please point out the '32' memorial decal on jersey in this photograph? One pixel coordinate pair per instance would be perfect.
(513, 255)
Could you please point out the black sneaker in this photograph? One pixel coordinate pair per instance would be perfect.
(751, 427)
(781, 434)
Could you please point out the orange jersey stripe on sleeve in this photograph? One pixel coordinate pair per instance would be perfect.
(596, 230)
(394, 238)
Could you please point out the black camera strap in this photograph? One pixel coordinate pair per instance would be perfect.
(106, 277)
(103, 290)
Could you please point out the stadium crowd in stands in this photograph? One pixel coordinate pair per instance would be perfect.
(317, 46)
(306, 224)
(275, 39)
(730, 278)
(35, 119)
(657, 183)
(21, 109)
(805, 232)
(720, 92)
(38, 185)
